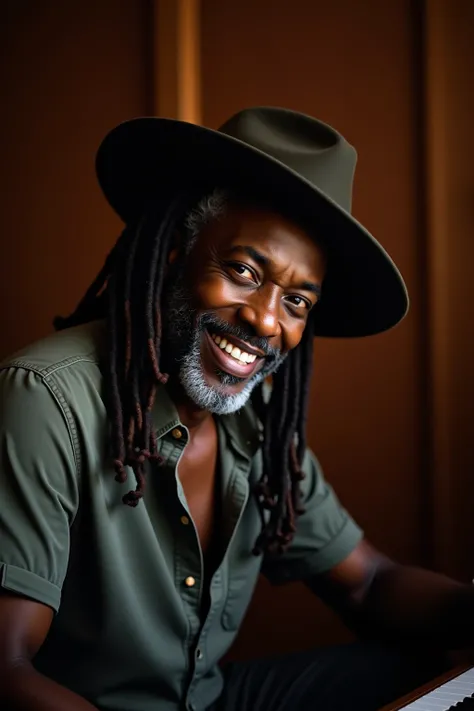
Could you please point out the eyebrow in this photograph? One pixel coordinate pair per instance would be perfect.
(264, 261)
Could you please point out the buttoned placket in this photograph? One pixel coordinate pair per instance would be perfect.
(189, 564)
(236, 497)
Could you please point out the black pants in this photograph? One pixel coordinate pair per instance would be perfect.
(352, 677)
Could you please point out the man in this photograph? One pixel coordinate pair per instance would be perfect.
(153, 453)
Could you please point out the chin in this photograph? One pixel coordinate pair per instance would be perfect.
(225, 382)
(210, 384)
(209, 393)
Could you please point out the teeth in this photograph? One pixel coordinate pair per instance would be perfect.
(235, 352)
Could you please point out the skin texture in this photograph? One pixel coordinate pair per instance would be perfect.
(269, 294)
(197, 473)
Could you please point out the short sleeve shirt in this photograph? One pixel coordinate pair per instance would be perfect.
(126, 584)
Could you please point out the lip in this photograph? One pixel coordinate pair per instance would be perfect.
(231, 365)
(243, 346)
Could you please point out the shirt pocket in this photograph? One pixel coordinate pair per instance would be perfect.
(241, 586)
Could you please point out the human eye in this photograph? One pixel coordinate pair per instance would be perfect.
(242, 270)
(298, 303)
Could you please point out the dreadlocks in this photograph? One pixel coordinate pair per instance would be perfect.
(128, 292)
(284, 444)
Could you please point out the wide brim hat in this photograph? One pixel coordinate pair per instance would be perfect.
(302, 165)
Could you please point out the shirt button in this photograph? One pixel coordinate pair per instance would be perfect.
(199, 654)
(176, 433)
(190, 582)
(184, 520)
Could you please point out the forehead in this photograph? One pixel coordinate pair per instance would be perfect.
(279, 239)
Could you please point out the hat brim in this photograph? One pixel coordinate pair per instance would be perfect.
(363, 292)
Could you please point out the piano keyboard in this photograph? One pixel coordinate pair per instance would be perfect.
(456, 694)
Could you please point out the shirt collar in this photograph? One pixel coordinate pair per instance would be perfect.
(242, 428)
(165, 414)
(244, 431)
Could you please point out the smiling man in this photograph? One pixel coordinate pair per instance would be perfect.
(245, 255)
(153, 450)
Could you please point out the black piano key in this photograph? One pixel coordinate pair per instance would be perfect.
(467, 704)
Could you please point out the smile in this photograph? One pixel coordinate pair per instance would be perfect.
(237, 353)
(230, 358)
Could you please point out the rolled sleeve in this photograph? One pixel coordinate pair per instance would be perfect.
(38, 487)
(325, 532)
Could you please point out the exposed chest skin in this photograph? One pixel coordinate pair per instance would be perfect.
(197, 471)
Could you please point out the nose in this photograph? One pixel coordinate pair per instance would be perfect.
(262, 311)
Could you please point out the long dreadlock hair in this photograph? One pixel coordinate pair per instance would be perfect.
(127, 293)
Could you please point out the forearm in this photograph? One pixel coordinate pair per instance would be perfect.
(22, 688)
(412, 604)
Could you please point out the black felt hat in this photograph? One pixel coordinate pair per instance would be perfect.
(301, 163)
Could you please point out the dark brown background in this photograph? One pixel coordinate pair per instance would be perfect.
(391, 416)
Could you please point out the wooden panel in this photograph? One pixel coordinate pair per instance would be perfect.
(70, 72)
(176, 59)
(450, 217)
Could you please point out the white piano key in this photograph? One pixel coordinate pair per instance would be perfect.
(446, 695)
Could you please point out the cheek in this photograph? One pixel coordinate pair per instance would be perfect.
(293, 334)
(214, 292)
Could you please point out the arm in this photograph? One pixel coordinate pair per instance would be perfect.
(24, 625)
(381, 599)
(376, 597)
(39, 499)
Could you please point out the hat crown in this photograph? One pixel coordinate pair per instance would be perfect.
(309, 147)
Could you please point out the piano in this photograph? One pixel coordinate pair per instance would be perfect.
(453, 691)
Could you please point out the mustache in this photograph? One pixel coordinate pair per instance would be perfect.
(212, 322)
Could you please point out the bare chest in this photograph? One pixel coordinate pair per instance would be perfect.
(197, 472)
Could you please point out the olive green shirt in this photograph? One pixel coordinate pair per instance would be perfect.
(126, 584)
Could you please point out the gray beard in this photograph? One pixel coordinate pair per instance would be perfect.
(183, 338)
